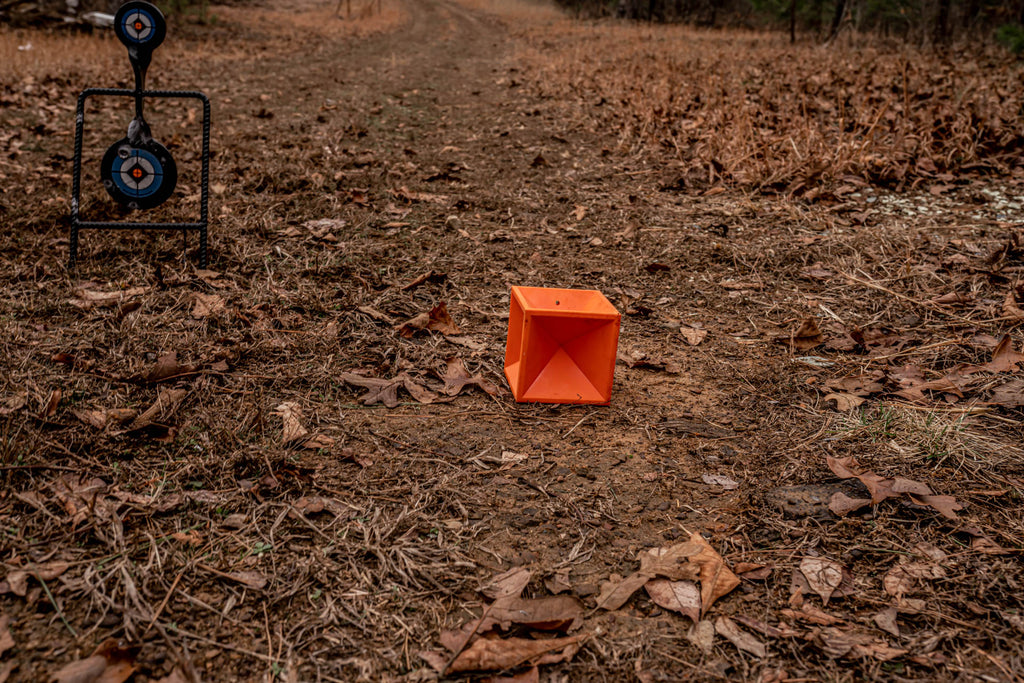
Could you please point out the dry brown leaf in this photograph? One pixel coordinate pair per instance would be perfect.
(672, 562)
(716, 579)
(1009, 395)
(166, 367)
(854, 643)
(491, 654)
(291, 418)
(208, 306)
(693, 335)
(677, 596)
(841, 504)
(886, 620)
(429, 276)
(946, 506)
(437, 320)
(845, 402)
(727, 628)
(109, 663)
(823, 575)
(385, 391)
(457, 377)
(1004, 358)
(507, 584)
(617, 590)
(804, 338)
(549, 613)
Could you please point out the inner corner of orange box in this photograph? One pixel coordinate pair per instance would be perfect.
(561, 345)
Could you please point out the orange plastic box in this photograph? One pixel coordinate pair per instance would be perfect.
(561, 345)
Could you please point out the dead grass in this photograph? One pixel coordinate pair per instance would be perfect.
(748, 108)
(56, 54)
(229, 553)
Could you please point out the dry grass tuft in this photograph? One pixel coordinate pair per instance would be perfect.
(56, 54)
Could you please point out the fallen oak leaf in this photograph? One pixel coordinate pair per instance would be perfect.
(823, 575)
(1004, 358)
(804, 338)
(437, 320)
(946, 506)
(456, 378)
(492, 654)
(207, 305)
(617, 590)
(841, 504)
(671, 562)
(845, 402)
(677, 596)
(291, 417)
(693, 335)
(838, 643)
(549, 613)
(507, 584)
(727, 628)
(166, 367)
(716, 579)
(385, 391)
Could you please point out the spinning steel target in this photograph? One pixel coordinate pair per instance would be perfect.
(139, 178)
(137, 171)
(140, 24)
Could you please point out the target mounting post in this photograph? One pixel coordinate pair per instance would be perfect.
(137, 171)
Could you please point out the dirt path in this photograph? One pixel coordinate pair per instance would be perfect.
(359, 181)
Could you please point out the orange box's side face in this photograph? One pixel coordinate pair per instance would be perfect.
(561, 345)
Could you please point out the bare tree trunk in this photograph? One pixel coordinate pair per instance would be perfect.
(941, 33)
(837, 18)
(792, 21)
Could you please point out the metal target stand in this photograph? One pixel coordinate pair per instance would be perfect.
(138, 172)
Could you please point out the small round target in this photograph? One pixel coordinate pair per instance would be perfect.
(140, 24)
(139, 178)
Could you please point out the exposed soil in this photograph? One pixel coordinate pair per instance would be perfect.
(225, 543)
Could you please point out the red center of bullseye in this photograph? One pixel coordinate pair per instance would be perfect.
(138, 25)
(137, 172)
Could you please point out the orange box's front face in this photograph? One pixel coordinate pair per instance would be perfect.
(561, 345)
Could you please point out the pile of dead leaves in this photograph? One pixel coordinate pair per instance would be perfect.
(881, 488)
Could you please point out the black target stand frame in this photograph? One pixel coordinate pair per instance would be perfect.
(137, 171)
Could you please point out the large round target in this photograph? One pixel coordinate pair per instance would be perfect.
(140, 24)
(139, 178)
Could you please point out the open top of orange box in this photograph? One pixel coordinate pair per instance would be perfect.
(561, 345)
(565, 302)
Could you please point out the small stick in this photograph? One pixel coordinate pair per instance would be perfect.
(167, 597)
(53, 601)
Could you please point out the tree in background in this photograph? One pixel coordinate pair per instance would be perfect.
(936, 22)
